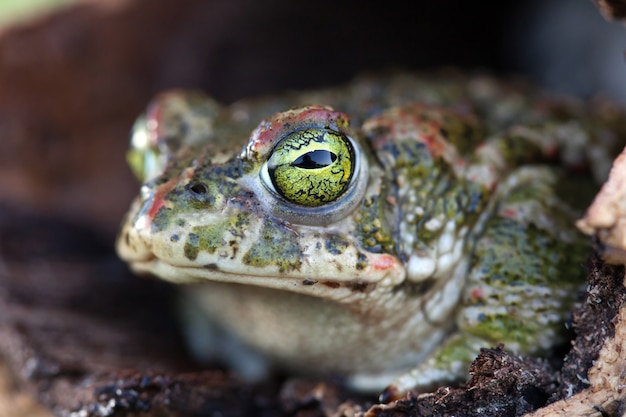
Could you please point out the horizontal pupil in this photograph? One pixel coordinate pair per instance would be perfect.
(315, 159)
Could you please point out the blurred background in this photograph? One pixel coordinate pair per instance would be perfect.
(564, 44)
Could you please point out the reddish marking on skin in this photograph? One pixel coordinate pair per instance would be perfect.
(154, 115)
(157, 203)
(510, 213)
(477, 294)
(408, 122)
(268, 131)
(433, 143)
(158, 199)
(383, 262)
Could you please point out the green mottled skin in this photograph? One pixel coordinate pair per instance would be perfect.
(277, 246)
(449, 236)
(210, 238)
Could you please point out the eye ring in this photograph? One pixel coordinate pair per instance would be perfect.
(347, 195)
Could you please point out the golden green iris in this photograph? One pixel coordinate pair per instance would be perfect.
(311, 167)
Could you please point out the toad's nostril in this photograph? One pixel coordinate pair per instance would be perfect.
(197, 188)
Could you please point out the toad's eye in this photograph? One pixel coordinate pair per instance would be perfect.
(311, 167)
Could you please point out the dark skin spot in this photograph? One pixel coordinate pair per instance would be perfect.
(212, 267)
(191, 249)
(336, 245)
(309, 282)
(361, 286)
(331, 284)
(361, 262)
(233, 244)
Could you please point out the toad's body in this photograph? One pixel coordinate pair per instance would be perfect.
(401, 222)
